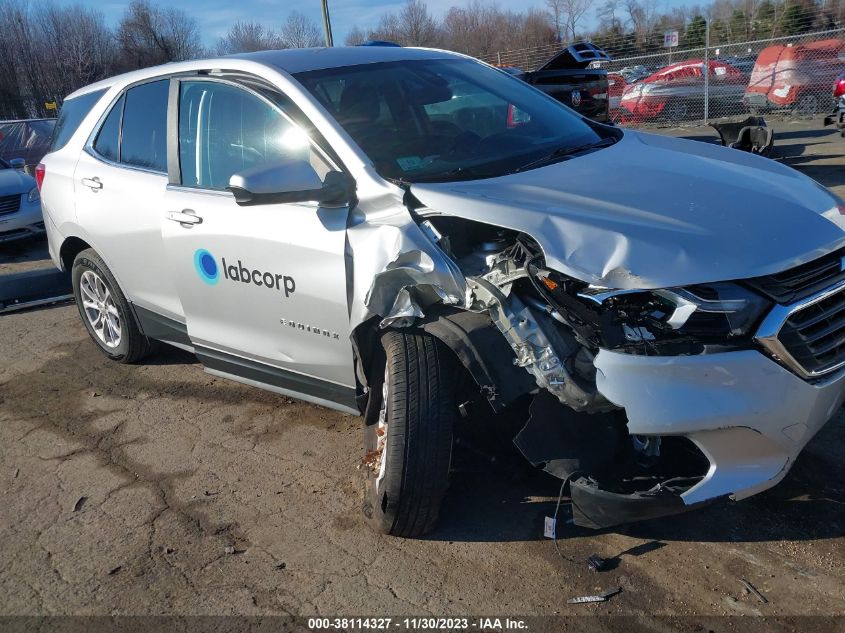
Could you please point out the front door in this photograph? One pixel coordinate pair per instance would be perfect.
(263, 287)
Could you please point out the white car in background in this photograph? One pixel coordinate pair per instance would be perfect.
(20, 203)
(666, 317)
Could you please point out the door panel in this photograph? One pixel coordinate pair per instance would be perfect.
(121, 213)
(120, 183)
(266, 283)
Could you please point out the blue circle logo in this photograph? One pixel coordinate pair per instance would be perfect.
(206, 266)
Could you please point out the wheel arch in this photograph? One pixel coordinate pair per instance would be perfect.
(474, 340)
(70, 248)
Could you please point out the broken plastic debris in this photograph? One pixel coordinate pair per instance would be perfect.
(599, 597)
(597, 563)
(79, 503)
(751, 588)
(230, 549)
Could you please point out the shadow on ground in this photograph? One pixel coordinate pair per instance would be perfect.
(24, 254)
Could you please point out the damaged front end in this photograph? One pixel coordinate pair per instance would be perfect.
(648, 402)
(556, 327)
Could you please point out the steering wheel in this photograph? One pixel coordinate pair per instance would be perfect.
(463, 146)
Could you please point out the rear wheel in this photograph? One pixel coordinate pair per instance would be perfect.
(408, 434)
(105, 311)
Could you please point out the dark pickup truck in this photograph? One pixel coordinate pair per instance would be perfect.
(568, 78)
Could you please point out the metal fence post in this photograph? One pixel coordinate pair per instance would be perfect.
(706, 70)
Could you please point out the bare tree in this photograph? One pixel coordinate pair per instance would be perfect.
(48, 51)
(416, 25)
(607, 14)
(572, 12)
(556, 10)
(246, 37)
(642, 15)
(356, 37)
(388, 29)
(76, 47)
(148, 35)
(300, 32)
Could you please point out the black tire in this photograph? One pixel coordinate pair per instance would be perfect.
(420, 414)
(132, 345)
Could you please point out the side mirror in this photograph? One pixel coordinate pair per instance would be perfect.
(17, 163)
(289, 181)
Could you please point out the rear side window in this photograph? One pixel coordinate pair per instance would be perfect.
(73, 111)
(144, 136)
(107, 144)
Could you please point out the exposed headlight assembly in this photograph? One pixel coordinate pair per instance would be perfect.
(718, 310)
(714, 309)
(34, 195)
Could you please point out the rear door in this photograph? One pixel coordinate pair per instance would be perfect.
(120, 182)
(263, 287)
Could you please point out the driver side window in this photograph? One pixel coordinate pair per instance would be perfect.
(224, 129)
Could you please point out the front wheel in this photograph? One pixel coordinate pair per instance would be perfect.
(408, 434)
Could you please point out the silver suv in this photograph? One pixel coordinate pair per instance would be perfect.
(424, 240)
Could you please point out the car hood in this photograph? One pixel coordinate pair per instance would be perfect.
(653, 212)
(12, 181)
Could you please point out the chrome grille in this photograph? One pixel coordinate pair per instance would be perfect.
(802, 281)
(808, 336)
(815, 335)
(10, 204)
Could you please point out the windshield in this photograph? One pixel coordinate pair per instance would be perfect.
(446, 119)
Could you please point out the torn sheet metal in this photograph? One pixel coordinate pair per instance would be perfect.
(398, 271)
(654, 212)
(540, 347)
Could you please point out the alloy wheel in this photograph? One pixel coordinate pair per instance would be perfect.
(100, 309)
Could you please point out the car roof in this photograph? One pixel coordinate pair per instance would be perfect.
(292, 60)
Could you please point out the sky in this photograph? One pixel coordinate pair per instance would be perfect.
(216, 16)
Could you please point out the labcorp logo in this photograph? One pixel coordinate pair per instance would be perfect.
(209, 272)
(206, 266)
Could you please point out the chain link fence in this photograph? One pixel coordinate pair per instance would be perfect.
(704, 78)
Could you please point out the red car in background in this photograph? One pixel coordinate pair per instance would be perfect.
(616, 85)
(676, 92)
(795, 77)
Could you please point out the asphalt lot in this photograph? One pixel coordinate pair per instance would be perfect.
(158, 489)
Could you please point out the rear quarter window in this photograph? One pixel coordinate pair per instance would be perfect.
(73, 111)
(107, 144)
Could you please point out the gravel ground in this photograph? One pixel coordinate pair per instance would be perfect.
(158, 489)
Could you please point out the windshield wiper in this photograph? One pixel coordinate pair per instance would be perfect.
(459, 173)
(564, 152)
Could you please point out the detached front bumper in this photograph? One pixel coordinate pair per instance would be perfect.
(748, 415)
